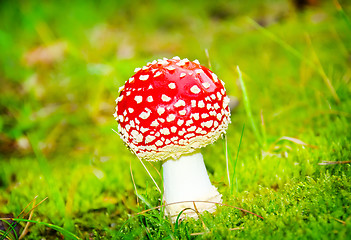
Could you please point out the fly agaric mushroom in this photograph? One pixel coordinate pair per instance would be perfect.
(166, 112)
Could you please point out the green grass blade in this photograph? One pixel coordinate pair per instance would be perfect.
(236, 160)
(248, 109)
(4, 235)
(342, 13)
(11, 228)
(228, 157)
(283, 44)
(63, 231)
(147, 203)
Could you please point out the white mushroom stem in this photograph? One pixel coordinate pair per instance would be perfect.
(186, 179)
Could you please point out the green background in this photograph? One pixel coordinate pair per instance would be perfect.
(62, 62)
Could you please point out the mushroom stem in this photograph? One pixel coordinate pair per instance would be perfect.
(186, 179)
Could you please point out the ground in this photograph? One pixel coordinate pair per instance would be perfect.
(288, 146)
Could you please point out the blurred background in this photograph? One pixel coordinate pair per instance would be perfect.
(62, 62)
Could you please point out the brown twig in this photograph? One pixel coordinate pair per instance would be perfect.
(333, 162)
(25, 230)
(199, 215)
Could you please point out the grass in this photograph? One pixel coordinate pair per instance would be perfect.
(60, 69)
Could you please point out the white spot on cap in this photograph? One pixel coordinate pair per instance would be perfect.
(130, 110)
(121, 89)
(204, 115)
(180, 122)
(172, 85)
(182, 112)
(201, 104)
(198, 71)
(137, 136)
(159, 143)
(137, 70)
(226, 101)
(163, 62)
(219, 96)
(171, 117)
(131, 79)
(165, 98)
(206, 85)
(196, 116)
(192, 129)
(195, 89)
(119, 99)
(190, 135)
(215, 124)
(144, 115)
(165, 131)
(180, 63)
(158, 74)
(132, 124)
(214, 77)
(149, 99)
(189, 122)
(182, 75)
(179, 103)
(193, 103)
(213, 96)
(138, 99)
(196, 61)
(160, 110)
(154, 123)
(143, 130)
(143, 77)
(176, 58)
(170, 68)
(207, 124)
(219, 116)
(127, 127)
(145, 67)
(173, 129)
(149, 138)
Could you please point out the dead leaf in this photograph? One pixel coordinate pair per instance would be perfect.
(46, 55)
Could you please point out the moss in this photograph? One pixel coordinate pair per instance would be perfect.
(56, 117)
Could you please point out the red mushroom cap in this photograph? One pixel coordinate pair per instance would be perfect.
(171, 107)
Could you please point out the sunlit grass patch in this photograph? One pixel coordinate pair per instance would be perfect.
(60, 70)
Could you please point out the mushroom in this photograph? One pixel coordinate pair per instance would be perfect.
(166, 112)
